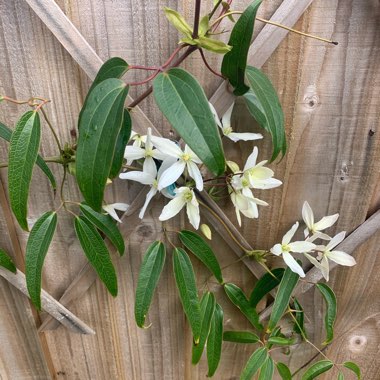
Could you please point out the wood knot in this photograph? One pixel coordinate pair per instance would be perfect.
(311, 98)
(371, 132)
(357, 343)
(144, 230)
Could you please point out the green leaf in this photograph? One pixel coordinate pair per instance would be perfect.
(23, 150)
(240, 337)
(235, 62)
(214, 341)
(281, 302)
(178, 22)
(204, 25)
(354, 368)
(267, 370)
(6, 134)
(299, 327)
(36, 249)
(317, 369)
(238, 298)
(99, 127)
(266, 284)
(280, 341)
(254, 363)
(105, 224)
(183, 102)
(150, 271)
(185, 280)
(6, 262)
(263, 104)
(284, 371)
(212, 45)
(340, 376)
(330, 316)
(96, 252)
(207, 311)
(194, 243)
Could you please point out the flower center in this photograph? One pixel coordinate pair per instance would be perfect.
(186, 157)
(155, 183)
(188, 196)
(148, 153)
(285, 248)
(245, 182)
(227, 131)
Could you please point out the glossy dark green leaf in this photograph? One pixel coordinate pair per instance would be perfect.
(280, 341)
(150, 271)
(23, 151)
(284, 371)
(267, 369)
(299, 327)
(266, 284)
(330, 316)
(207, 306)
(235, 62)
(36, 249)
(96, 252)
(105, 224)
(6, 262)
(6, 134)
(100, 125)
(317, 369)
(238, 298)
(354, 368)
(240, 337)
(183, 102)
(214, 341)
(254, 363)
(194, 243)
(281, 302)
(185, 280)
(263, 104)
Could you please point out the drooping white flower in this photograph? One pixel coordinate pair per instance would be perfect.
(186, 159)
(227, 131)
(308, 217)
(286, 247)
(326, 253)
(138, 139)
(184, 196)
(111, 208)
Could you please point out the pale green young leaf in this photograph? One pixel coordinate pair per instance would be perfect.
(149, 274)
(240, 337)
(317, 369)
(263, 104)
(6, 262)
(207, 306)
(204, 25)
(185, 280)
(267, 370)
(183, 102)
(330, 316)
(214, 341)
(254, 363)
(284, 371)
(96, 253)
(105, 224)
(354, 368)
(194, 243)
(215, 46)
(36, 249)
(280, 341)
(340, 376)
(178, 22)
(23, 151)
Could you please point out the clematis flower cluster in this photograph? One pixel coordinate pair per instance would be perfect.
(318, 255)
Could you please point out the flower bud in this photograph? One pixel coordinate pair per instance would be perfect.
(234, 167)
(206, 231)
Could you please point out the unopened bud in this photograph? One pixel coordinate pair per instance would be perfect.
(206, 231)
(109, 181)
(234, 167)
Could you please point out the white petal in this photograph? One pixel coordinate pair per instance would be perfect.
(244, 136)
(159, 155)
(193, 156)
(326, 222)
(150, 167)
(195, 173)
(307, 215)
(142, 177)
(169, 161)
(172, 208)
(288, 236)
(260, 172)
(301, 246)
(120, 206)
(152, 192)
(111, 212)
(171, 174)
(133, 152)
(264, 184)
(148, 142)
(276, 249)
(193, 214)
(317, 235)
(325, 268)
(252, 211)
(226, 119)
(337, 239)
(167, 146)
(251, 161)
(313, 260)
(292, 264)
(216, 117)
(341, 258)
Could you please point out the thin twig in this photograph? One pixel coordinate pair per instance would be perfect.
(208, 66)
(52, 129)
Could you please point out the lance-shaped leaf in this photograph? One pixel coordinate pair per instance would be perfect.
(150, 271)
(299, 326)
(263, 104)
(185, 280)
(281, 302)
(267, 370)
(100, 124)
(194, 243)
(214, 341)
(330, 316)
(240, 337)
(6, 262)
(254, 363)
(235, 62)
(266, 284)
(183, 102)
(207, 306)
(96, 253)
(178, 22)
(280, 341)
(238, 298)
(105, 224)
(317, 369)
(284, 371)
(6, 134)
(354, 368)
(23, 150)
(36, 248)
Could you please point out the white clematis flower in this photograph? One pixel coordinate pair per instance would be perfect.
(227, 131)
(297, 247)
(186, 159)
(111, 209)
(183, 196)
(326, 253)
(138, 139)
(308, 217)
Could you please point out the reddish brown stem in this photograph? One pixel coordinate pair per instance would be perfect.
(196, 18)
(208, 66)
(147, 68)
